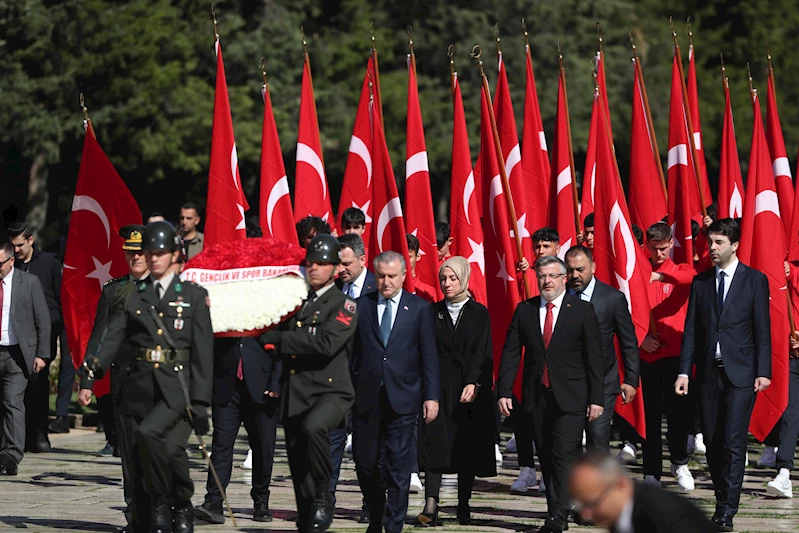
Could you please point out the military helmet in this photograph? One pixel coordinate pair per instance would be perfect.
(159, 236)
(323, 249)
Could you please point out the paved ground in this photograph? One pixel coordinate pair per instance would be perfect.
(71, 490)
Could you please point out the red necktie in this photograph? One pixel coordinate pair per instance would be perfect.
(240, 371)
(547, 338)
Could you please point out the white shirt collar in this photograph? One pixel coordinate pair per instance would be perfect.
(394, 299)
(625, 522)
(557, 301)
(9, 278)
(588, 291)
(360, 280)
(730, 270)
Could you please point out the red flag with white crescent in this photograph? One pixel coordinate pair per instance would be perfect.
(535, 156)
(311, 193)
(731, 185)
(356, 190)
(779, 160)
(589, 176)
(561, 199)
(419, 219)
(388, 232)
(696, 122)
(101, 206)
(274, 209)
(226, 203)
(762, 248)
(466, 230)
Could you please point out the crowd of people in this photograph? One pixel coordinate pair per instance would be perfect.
(406, 381)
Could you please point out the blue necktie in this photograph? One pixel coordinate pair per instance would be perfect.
(720, 291)
(351, 291)
(385, 324)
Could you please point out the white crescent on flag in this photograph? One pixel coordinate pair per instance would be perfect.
(468, 190)
(617, 220)
(736, 203)
(393, 209)
(514, 158)
(416, 163)
(87, 203)
(280, 190)
(496, 190)
(358, 147)
(306, 154)
(767, 201)
(234, 165)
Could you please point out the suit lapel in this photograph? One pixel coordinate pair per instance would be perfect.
(371, 315)
(535, 309)
(564, 315)
(16, 293)
(735, 286)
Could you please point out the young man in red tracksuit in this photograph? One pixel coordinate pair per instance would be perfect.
(669, 289)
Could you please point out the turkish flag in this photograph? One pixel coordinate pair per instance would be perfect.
(561, 199)
(762, 248)
(679, 159)
(226, 203)
(620, 261)
(503, 293)
(101, 206)
(779, 159)
(274, 209)
(389, 230)
(793, 242)
(731, 185)
(535, 157)
(466, 230)
(603, 89)
(589, 176)
(418, 199)
(696, 122)
(647, 197)
(356, 190)
(682, 180)
(311, 193)
(511, 154)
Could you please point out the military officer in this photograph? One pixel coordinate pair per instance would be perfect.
(316, 388)
(137, 271)
(166, 388)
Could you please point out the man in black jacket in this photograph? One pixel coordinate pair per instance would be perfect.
(45, 266)
(246, 390)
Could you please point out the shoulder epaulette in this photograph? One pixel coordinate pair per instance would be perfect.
(116, 280)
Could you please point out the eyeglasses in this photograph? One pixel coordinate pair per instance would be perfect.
(579, 507)
(6, 261)
(553, 277)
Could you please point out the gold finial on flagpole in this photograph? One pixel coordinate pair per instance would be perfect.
(304, 40)
(599, 31)
(690, 33)
(410, 38)
(216, 27)
(84, 108)
(372, 33)
(724, 73)
(262, 66)
(450, 54)
(499, 41)
(752, 89)
(526, 35)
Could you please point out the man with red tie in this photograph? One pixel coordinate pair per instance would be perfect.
(563, 377)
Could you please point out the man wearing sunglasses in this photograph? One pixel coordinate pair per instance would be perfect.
(24, 350)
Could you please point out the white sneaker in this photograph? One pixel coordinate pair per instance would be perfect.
(627, 455)
(247, 464)
(684, 478)
(525, 481)
(651, 480)
(769, 457)
(699, 445)
(746, 459)
(781, 486)
(690, 445)
(348, 445)
(497, 454)
(416, 484)
(510, 446)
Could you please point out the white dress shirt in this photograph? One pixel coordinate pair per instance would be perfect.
(7, 335)
(542, 311)
(729, 273)
(164, 282)
(381, 307)
(587, 293)
(356, 284)
(454, 310)
(625, 522)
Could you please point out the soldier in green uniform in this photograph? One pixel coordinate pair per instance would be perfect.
(316, 388)
(167, 323)
(137, 267)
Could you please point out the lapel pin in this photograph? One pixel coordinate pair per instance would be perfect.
(406, 307)
(441, 316)
(568, 305)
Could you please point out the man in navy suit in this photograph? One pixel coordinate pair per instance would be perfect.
(728, 337)
(395, 374)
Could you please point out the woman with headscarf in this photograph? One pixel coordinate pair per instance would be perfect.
(461, 439)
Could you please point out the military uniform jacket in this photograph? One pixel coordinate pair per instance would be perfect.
(315, 345)
(184, 311)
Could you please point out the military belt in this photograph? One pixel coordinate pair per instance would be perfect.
(159, 355)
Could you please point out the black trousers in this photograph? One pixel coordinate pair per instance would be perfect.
(522, 424)
(788, 426)
(106, 410)
(125, 445)
(597, 433)
(558, 437)
(657, 379)
(137, 500)
(66, 374)
(308, 447)
(726, 432)
(37, 406)
(260, 421)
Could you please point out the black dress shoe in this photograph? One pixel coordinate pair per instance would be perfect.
(183, 518)
(321, 510)
(428, 519)
(161, 518)
(8, 464)
(108, 451)
(59, 425)
(261, 512)
(554, 526)
(464, 514)
(364, 517)
(723, 521)
(210, 511)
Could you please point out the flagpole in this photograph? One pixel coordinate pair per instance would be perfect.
(377, 97)
(689, 121)
(651, 124)
(87, 121)
(452, 74)
(569, 136)
(477, 51)
(307, 60)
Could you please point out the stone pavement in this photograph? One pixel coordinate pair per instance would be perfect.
(70, 490)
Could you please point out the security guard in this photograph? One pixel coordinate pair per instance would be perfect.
(167, 323)
(316, 388)
(137, 271)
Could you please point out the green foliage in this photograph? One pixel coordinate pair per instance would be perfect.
(147, 69)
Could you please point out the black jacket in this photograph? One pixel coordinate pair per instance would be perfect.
(261, 371)
(660, 511)
(47, 268)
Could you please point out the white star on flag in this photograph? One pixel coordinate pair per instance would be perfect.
(102, 272)
(365, 209)
(522, 225)
(478, 255)
(503, 271)
(421, 253)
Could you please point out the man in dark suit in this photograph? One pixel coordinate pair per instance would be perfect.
(246, 390)
(395, 373)
(316, 386)
(727, 336)
(563, 377)
(24, 350)
(613, 313)
(606, 497)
